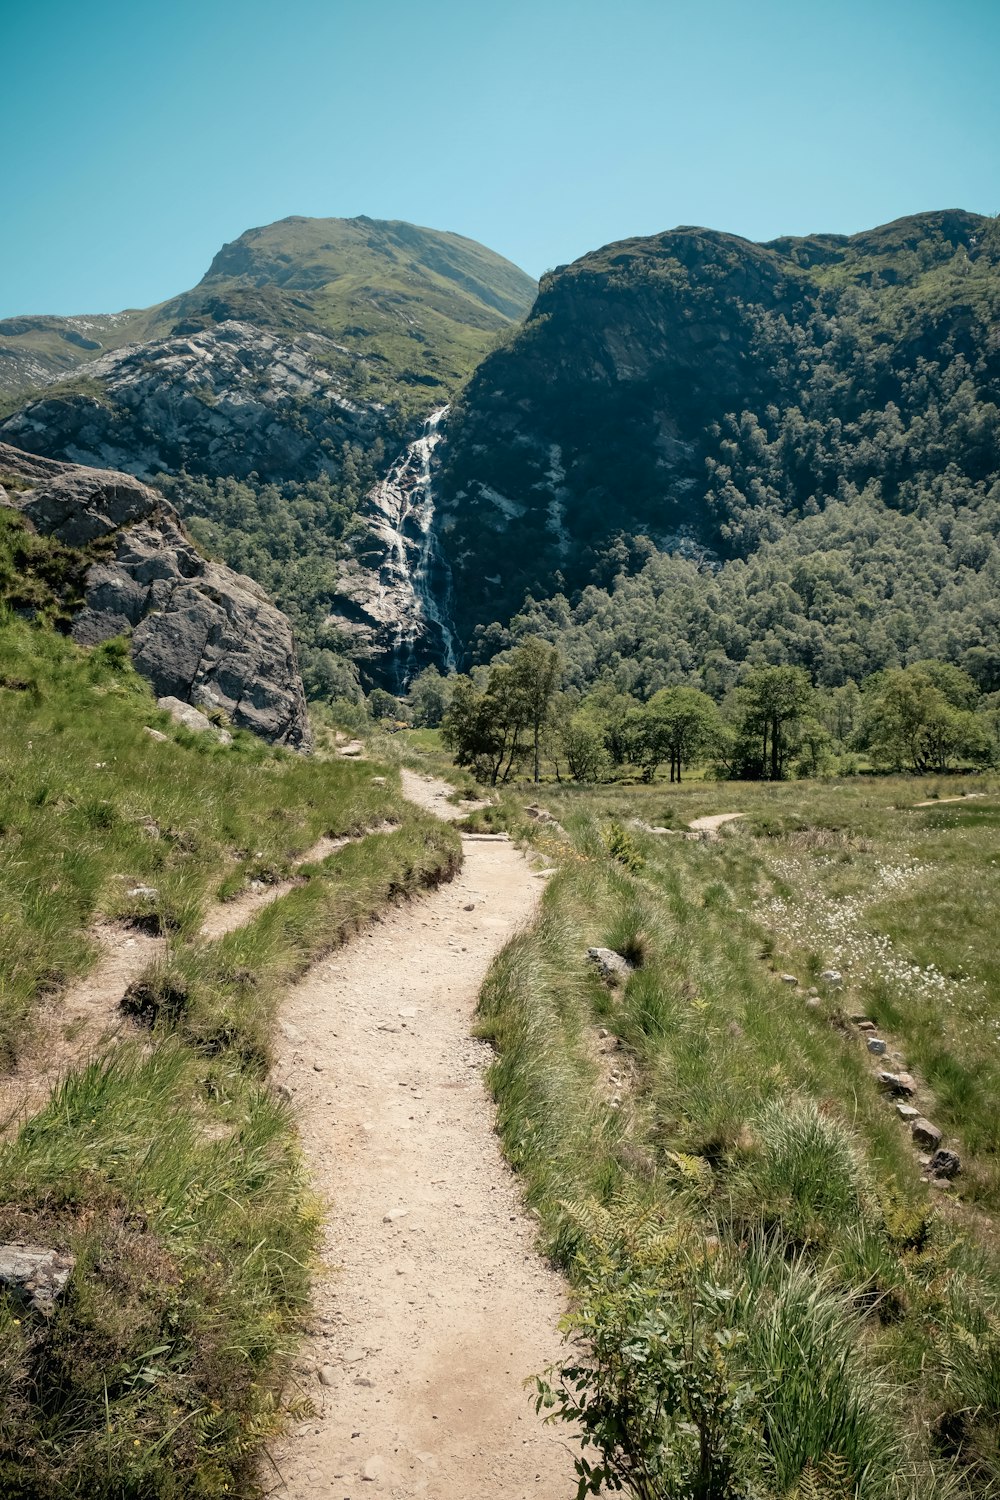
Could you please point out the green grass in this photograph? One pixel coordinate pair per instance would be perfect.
(167, 1168)
(720, 1101)
(91, 808)
(178, 1187)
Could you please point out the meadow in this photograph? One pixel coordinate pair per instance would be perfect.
(772, 1297)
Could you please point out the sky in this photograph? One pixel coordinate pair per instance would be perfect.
(142, 136)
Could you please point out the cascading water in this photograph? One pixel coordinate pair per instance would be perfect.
(414, 579)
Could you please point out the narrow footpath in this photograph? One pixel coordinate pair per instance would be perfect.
(432, 1306)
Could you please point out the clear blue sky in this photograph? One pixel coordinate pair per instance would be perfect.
(141, 136)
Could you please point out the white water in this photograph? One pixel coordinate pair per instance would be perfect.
(414, 563)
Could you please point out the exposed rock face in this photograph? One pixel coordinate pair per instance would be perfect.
(227, 399)
(607, 422)
(200, 632)
(394, 596)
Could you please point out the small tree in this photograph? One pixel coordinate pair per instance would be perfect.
(680, 724)
(429, 696)
(770, 701)
(916, 717)
(382, 705)
(583, 746)
(536, 667)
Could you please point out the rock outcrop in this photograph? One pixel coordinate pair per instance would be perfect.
(230, 399)
(200, 632)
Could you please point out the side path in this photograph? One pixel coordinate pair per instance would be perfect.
(434, 1306)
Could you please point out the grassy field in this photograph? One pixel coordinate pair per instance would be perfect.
(167, 1168)
(842, 1314)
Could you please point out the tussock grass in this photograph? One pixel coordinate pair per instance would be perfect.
(159, 1372)
(753, 1124)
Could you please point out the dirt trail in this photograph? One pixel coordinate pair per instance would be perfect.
(227, 916)
(71, 1028)
(79, 1024)
(434, 1306)
(936, 801)
(713, 822)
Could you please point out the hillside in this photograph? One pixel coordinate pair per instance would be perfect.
(410, 311)
(700, 395)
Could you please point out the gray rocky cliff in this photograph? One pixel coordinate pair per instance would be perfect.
(199, 631)
(230, 399)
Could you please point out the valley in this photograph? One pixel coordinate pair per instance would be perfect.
(497, 847)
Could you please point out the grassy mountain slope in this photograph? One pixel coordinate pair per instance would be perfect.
(707, 394)
(418, 306)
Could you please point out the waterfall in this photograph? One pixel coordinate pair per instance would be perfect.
(414, 578)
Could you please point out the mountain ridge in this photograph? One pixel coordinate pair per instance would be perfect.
(418, 305)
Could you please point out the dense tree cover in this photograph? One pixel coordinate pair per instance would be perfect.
(514, 717)
(292, 539)
(852, 591)
(822, 415)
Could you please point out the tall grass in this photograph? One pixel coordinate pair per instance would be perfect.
(755, 1125)
(160, 1371)
(91, 808)
(168, 1169)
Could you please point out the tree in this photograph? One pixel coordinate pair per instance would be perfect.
(679, 724)
(583, 744)
(536, 667)
(911, 719)
(382, 705)
(429, 696)
(484, 727)
(770, 701)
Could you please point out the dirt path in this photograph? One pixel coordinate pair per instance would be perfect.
(435, 1306)
(936, 801)
(79, 1024)
(713, 822)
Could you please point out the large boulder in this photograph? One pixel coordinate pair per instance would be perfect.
(200, 632)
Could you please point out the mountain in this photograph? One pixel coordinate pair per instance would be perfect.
(393, 313)
(696, 451)
(724, 415)
(271, 399)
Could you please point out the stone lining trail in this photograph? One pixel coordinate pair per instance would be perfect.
(432, 1305)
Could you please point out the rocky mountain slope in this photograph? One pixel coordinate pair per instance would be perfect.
(807, 431)
(706, 394)
(199, 632)
(284, 388)
(395, 314)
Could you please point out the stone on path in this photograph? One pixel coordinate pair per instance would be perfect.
(876, 1046)
(898, 1083)
(946, 1163)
